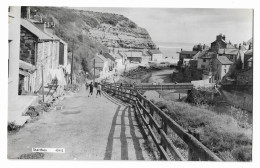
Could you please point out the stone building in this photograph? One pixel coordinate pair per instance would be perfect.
(220, 43)
(39, 51)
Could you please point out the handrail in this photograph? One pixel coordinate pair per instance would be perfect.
(146, 111)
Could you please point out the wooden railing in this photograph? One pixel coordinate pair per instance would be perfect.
(160, 126)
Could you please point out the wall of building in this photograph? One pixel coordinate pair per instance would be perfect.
(28, 43)
(14, 51)
(157, 57)
(201, 63)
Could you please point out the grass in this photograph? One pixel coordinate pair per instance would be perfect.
(220, 133)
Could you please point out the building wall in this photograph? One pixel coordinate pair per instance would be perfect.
(28, 42)
(222, 70)
(202, 63)
(14, 51)
(157, 57)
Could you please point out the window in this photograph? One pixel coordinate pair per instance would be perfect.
(225, 70)
(204, 60)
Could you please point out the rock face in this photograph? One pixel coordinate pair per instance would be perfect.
(116, 31)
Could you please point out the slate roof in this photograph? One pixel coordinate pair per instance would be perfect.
(102, 57)
(35, 30)
(132, 54)
(229, 51)
(154, 52)
(249, 52)
(189, 52)
(224, 60)
(108, 56)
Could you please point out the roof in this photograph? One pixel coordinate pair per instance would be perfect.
(35, 30)
(108, 56)
(154, 52)
(116, 55)
(224, 60)
(189, 52)
(101, 57)
(199, 54)
(249, 52)
(229, 51)
(250, 60)
(26, 66)
(132, 54)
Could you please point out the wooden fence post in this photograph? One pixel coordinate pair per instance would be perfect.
(164, 128)
(192, 156)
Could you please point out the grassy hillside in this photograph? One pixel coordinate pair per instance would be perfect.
(74, 25)
(70, 27)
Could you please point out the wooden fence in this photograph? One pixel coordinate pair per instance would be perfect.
(159, 125)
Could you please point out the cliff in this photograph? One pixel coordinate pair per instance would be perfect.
(92, 32)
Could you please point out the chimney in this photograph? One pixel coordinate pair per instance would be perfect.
(250, 46)
(224, 37)
(41, 26)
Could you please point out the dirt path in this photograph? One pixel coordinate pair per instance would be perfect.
(88, 128)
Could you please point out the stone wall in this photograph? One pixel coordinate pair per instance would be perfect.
(28, 42)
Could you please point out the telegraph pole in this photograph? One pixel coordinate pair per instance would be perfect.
(71, 71)
(94, 72)
(42, 85)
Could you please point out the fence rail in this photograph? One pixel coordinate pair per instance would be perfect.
(159, 128)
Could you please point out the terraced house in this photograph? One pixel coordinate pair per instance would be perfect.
(41, 52)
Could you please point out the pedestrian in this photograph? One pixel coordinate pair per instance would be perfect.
(98, 89)
(90, 89)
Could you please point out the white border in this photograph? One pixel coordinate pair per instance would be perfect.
(123, 3)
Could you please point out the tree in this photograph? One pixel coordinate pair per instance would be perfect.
(84, 65)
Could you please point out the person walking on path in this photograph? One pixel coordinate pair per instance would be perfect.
(90, 89)
(98, 89)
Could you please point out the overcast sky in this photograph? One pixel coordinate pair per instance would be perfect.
(189, 25)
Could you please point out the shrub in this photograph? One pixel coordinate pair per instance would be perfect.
(11, 126)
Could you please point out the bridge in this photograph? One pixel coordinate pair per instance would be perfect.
(164, 86)
(120, 125)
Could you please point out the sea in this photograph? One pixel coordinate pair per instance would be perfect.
(170, 49)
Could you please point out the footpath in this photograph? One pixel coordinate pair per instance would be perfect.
(88, 128)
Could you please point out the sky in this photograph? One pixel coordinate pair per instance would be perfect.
(192, 25)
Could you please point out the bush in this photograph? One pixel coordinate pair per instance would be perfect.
(243, 153)
(220, 133)
(32, 112)
(11, 126)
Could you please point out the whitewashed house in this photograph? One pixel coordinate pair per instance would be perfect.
(156, 55)
(222, 66)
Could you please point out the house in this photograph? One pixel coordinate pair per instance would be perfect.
(193, 64)
(44, 52)
(101, 64)
(200, 47)
(146, 57)
(17, 104)
(205, 60)
(220, 43)
(156, 55)
(222, 66)
(248, 57)
(118, 61)
(132, 56)
(233, 54)
(111, 61)
(186, 54)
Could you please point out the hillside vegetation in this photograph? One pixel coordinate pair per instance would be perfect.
(85, 29)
